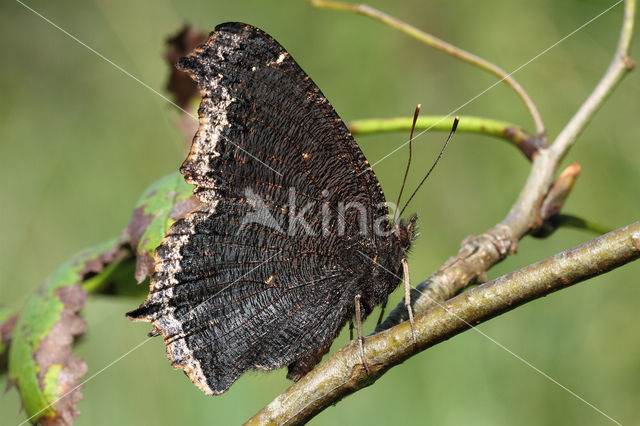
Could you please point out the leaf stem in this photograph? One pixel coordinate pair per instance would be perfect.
(523, 140)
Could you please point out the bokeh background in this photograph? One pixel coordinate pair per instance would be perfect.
(80, 141)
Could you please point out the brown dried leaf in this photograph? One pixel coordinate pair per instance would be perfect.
(55, 352)
(180, 84)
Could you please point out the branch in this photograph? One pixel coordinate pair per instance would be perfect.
(523, 140)
(343, 373)
(620, 66)
(478, 254)
(443, 46)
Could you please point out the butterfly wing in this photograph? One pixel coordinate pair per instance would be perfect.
(264, 122)
(256, 278)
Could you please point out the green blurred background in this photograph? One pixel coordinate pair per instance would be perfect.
(79, 142)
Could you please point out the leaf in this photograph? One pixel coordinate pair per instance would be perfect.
(184, 90)
(40, 361)
(41, 364)
(180, 84)
(164, 202)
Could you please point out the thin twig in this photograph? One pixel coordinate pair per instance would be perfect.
(620, 66)
(523, 140)
(343, 374)
(443, 46)
(478, 254)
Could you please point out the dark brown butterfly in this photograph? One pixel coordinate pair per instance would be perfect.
(293, 227)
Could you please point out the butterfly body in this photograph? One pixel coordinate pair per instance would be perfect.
(292, 227)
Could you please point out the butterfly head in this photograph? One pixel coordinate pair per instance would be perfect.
(387, 266)
(404, 231)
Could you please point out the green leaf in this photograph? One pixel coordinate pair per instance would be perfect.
(158, 200)
(165, 201)
(42, 380)
(105, 268)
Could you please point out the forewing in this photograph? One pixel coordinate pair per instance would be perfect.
(265, 124)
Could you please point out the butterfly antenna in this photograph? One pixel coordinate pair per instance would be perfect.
(406, 173)
(453, 130)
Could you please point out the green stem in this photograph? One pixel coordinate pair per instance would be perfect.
(522, 139)
(445, 47)
(100, 281)
(116, 279)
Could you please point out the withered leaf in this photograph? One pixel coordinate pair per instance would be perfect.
(41, 364)
(183, 88)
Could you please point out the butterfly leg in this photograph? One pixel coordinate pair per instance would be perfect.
(407, 298)
(360, 338)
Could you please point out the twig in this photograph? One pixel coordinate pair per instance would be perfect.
(523, 140)
(443, 46)
(478, 254)
(343, 374)
(620, 66)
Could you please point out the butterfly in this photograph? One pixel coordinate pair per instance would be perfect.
(293, 237)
